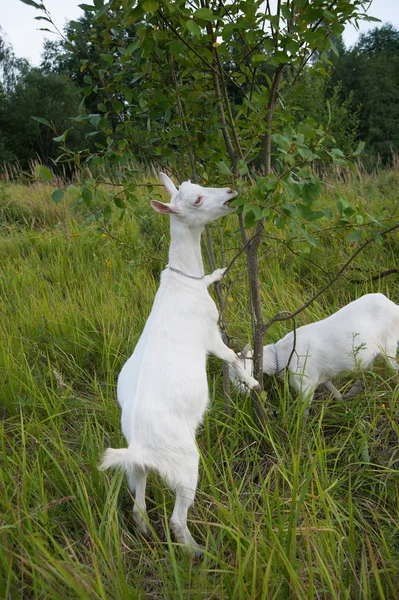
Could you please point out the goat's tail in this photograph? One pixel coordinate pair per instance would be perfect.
(124, 459)
(120, 458)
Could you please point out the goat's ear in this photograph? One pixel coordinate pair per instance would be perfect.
(168, 183)
(165, 209)
(246, 351)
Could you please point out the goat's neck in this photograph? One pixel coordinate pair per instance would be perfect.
(185, 248)
(283, 353)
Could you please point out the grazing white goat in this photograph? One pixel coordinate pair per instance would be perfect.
(163, 388)
(350, 339)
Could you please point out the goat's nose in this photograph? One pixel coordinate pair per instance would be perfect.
(230, 191)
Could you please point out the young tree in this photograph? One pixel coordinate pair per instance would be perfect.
(204, 89)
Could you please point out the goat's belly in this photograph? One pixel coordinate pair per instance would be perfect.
(347, 363)
(170, 415)
(162, 391)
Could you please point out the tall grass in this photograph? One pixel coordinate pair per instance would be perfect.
(291, 511)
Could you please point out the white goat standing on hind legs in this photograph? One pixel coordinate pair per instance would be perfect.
(163, 388)
(349, 340)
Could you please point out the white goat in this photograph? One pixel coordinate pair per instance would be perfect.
(163, 388)
(350, 339)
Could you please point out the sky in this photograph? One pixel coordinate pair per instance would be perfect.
(18, 22)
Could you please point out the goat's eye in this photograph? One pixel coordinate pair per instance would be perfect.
(199, 200)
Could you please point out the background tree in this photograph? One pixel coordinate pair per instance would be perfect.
(50, 96)
(369, 73)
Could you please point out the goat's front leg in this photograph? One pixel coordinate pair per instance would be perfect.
(218, 348)
(217, 275)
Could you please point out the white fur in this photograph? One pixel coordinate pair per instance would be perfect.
(350, 339)
(163, 388)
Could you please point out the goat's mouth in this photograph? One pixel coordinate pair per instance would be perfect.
(227, 202)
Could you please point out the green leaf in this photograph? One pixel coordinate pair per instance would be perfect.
(43, 121)
(342, 205)
(310, 192)
(150, 6)
(206, 14)
(249, 219)
(133, 46)
(118, 106)
(43, 172)
(62, 137)
(87, 196)
(88, 7)
(377, 238)
(43, 19)
(314, 216)
(107, 213)
(341, 162)
(359, 149)
(95, 119)
(119, 203)
(287, 132)
(193, 27)
(355, 235)
(349, 211)
(306, 130)
(367, 18)
(242, 167)
(58, 195)
(258, 58)
(31, 3)
(223, 168)
(128, 96)
(336, 152)
(281, 141)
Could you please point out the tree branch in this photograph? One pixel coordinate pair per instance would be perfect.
(279, 316)
(375, 277)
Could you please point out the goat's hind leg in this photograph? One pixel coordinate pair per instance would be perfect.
(331, 387)
(390, 357)
(185, 493)
(354, 390)
(137, 480)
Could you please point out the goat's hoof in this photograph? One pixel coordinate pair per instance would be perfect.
(198, 551)
(254, 385)
(142, 526)
(144, 530)
(218, 274)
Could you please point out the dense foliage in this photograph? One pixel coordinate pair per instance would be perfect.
(357, 98)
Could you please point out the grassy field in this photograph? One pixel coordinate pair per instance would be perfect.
(284, 512)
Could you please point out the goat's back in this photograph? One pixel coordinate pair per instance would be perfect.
(351, 337)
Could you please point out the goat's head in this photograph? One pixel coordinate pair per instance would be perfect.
(194, 204)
